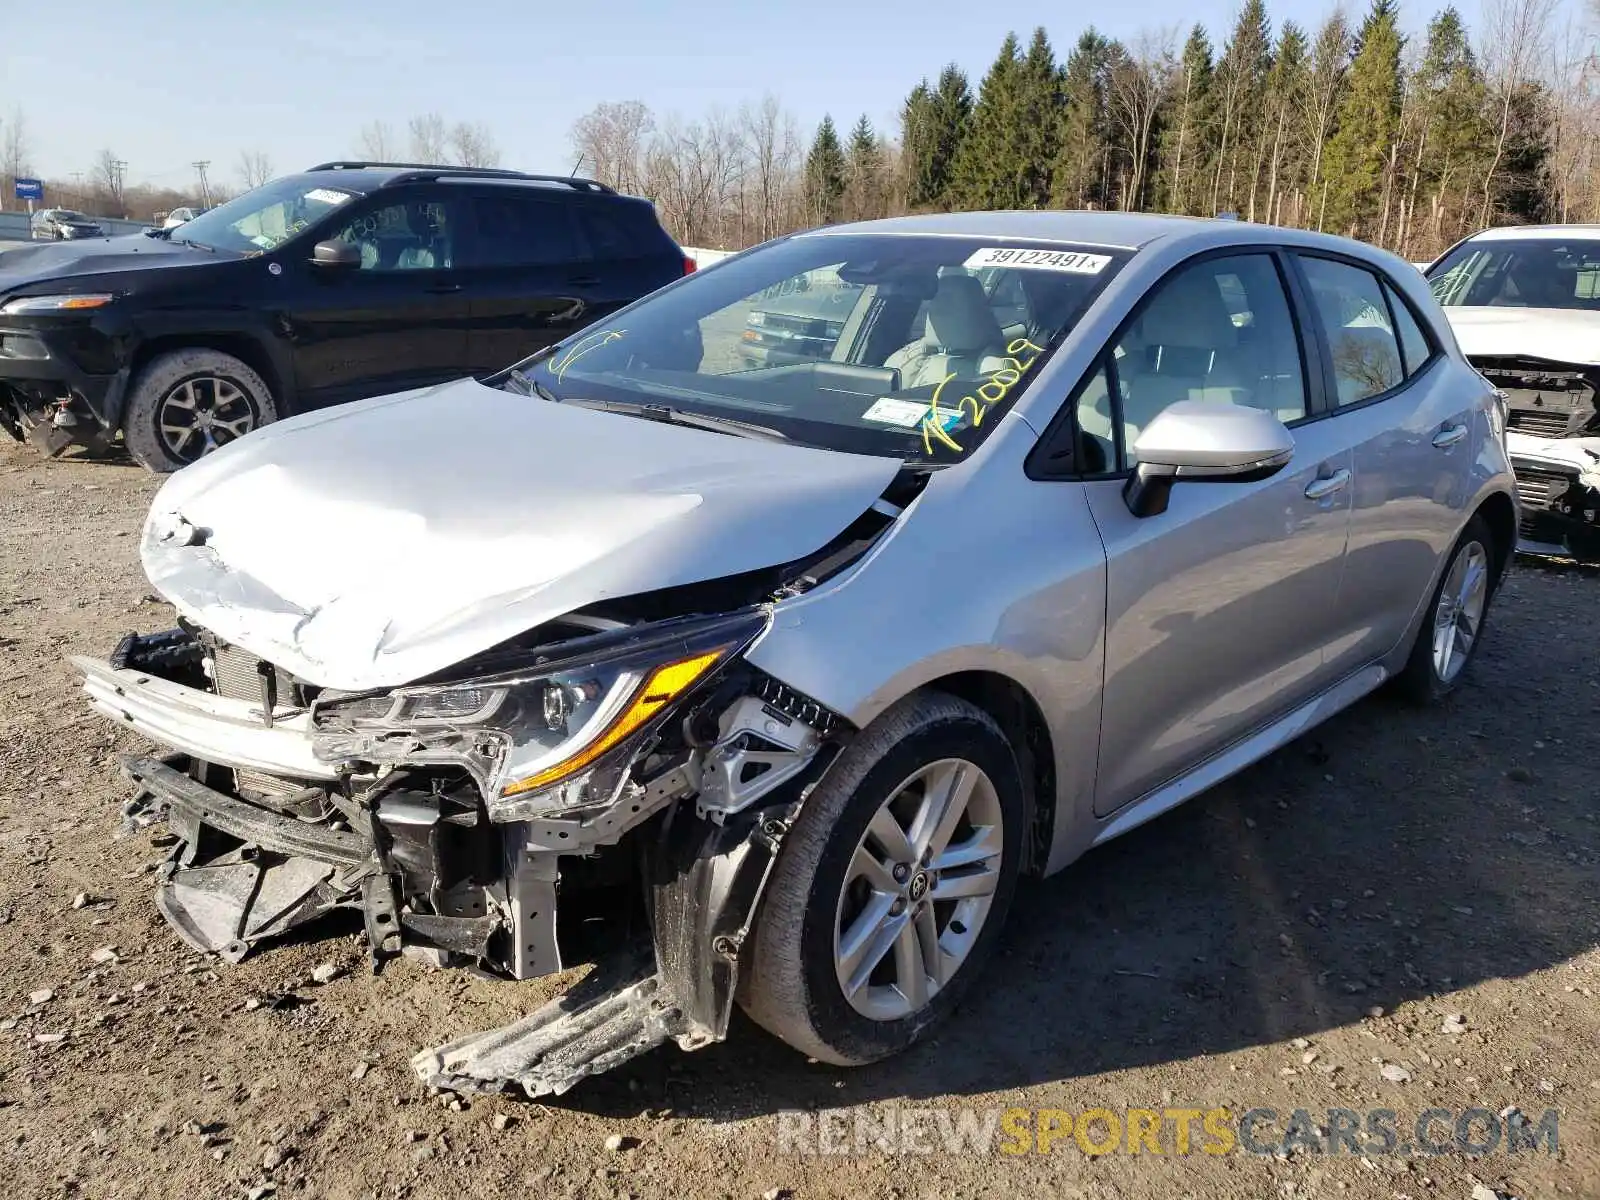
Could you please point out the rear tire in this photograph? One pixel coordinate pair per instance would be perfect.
(186, 403)
(830, 913)
(1452, 629)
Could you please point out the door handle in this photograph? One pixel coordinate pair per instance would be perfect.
(584, 280)
(1449, 436)
(443, 289)
(1327, 485)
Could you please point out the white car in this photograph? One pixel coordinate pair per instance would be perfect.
(1525, 306)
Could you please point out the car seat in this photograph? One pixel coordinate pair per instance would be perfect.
(960, 336)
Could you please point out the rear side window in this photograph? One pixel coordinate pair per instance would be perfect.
(516, 230)
(1414, 345)
(621, 230)
(1355, 318)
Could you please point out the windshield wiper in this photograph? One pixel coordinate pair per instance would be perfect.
(195, 244)
(533, 387)
(164, 234)
(680, 416)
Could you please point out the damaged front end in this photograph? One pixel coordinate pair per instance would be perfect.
(1553, 438)
(458, 814)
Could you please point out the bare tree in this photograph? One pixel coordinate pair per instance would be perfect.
(1515, 35)
(610, 143)
(255, 168)
(376, 142)
(14, 150)
(772, 150)
(473, 145)
(106, 178)
(1138, 85)
(429, 138)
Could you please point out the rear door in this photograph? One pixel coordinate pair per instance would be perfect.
(1412, 430)
(397, 321)
(529, 274)
(1219, 610)
(630, 254)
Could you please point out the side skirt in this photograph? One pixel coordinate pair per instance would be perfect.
(1243, 753)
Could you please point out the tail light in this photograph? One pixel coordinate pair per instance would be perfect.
(689, 265)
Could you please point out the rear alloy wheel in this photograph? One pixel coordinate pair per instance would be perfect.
(1453, 629)
(188, 403)
(893, 885)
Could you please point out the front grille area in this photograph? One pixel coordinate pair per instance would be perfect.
(1538, 422)
(1537, 488)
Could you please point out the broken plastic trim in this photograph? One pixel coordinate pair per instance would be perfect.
(706, 882)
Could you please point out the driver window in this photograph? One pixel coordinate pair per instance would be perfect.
(1219, 331)
(408, 235)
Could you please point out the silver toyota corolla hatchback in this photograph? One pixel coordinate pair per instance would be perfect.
(1064, 518)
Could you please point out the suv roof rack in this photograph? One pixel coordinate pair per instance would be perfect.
(424, 172)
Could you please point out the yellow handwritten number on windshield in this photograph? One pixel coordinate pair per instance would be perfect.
(995, 388)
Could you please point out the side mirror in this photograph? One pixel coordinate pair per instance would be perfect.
(1206, 442)
(336, 254)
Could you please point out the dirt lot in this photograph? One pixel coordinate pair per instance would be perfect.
(1421, 864)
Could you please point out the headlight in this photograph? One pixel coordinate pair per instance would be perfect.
(555, 736)
(756, 318)
(35, 305)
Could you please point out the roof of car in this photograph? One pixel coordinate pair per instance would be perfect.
(1121, 230)
(369, 176)
(1506, 233)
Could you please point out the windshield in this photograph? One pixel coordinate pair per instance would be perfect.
(1524, 273)
(67, 214)
(883, 344)
(265, 218)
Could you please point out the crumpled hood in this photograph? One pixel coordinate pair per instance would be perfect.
(371, 544)
(1556, 334)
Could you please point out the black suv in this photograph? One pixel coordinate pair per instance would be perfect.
(346, 281)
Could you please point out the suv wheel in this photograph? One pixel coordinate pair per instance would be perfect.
(186, 403)
(1453, 628)
(892, 887)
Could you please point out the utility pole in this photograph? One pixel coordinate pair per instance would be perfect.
(119, 166)
(205, 192)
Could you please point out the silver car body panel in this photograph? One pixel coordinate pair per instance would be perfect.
(373, 544)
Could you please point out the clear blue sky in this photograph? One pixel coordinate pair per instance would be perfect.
(164, 83)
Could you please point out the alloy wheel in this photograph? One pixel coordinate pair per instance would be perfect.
(1459, 613)
(918, 889)
(204, 412)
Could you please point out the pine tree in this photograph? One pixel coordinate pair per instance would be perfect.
(1451, 137)
(1083, 142)
(825, 175)
(864, 183)
(1186, 143)
(1034, 139)
(985, 174)
(934, 123)
(1367, 123)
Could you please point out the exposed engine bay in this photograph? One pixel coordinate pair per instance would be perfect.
(1553, 434)
(625, 747)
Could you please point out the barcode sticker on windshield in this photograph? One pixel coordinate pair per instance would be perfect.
(327, 196)
(888, 411)
(1074, 262)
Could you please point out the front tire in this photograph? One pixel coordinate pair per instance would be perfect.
(1452, 630)
(892, 887)
(186, 403)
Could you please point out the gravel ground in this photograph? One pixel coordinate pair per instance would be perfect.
(1413, 865)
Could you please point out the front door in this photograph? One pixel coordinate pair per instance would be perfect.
(396, 321)
(1218, 610)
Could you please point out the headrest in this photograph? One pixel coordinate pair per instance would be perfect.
(1188, 312)
(960, 320)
